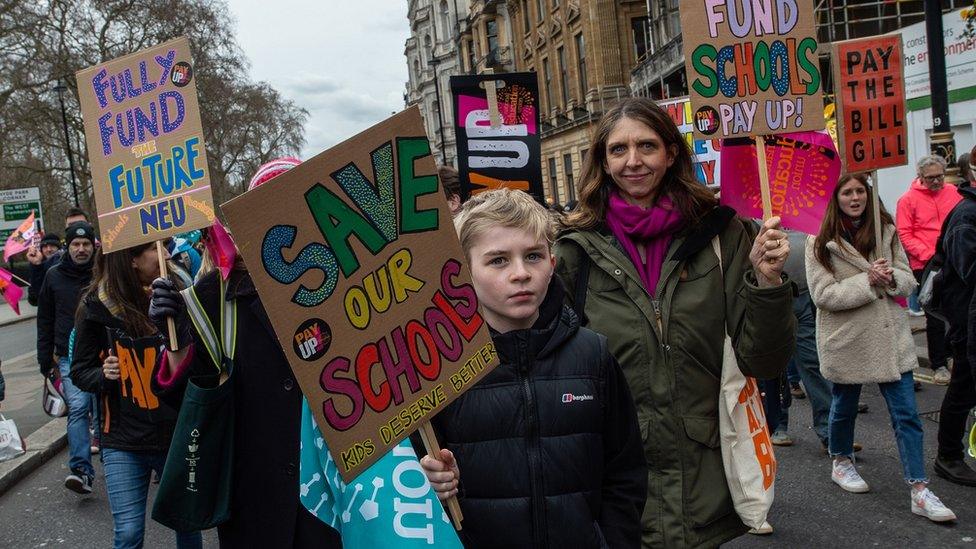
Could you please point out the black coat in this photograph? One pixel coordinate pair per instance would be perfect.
(959, 243)
(132, 416)
(265, 509)
(548, 444)
(56, 306)
(36, 274)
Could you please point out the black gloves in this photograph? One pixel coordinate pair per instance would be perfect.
(166, 303)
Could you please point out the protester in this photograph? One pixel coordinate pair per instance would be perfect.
(40, 261)
(137, 430)
(966, 175)
(805, 359)
(959, 301)
(863, 335)
(638, 265)
(265, 510)
(451, 182)
(557, 406)
(921, 212)
(57, 302)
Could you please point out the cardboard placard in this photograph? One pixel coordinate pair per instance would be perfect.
(509, 155)
(752, 66)
(870, 91)
(705, 153)
(145, 143)
(359, 268)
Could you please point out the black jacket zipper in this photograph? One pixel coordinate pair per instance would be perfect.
(534, 452)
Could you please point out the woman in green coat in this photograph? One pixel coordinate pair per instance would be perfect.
(639, 267)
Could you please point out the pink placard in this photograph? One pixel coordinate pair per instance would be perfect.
(803, 169)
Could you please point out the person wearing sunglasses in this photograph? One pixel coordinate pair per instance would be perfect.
(921, 212)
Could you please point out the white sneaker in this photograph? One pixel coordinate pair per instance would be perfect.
(928, 505)
(846, 476)
(764, 530)
(942, 376)
(916, 313)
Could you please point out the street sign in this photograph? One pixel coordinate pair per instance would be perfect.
(15, 206)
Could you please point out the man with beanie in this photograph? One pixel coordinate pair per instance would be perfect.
(57, 302)
(42, 258)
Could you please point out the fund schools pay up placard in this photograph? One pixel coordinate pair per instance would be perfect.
(145, 144)
(752, 67)
(359, 268)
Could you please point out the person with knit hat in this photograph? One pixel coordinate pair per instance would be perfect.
(265, 509)
(57, 302)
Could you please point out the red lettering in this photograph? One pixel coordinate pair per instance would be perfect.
(367, 357)
(334, 384)
(429, 370)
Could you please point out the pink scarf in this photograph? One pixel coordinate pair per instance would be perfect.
(651, 228)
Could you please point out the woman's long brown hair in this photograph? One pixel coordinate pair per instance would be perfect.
(832, 227)
(123, 288)
(690, 197)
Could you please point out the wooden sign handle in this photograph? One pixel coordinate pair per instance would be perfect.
(434, 451)
(494, 117)
(876, 206)
(174, 344)
(767, 202)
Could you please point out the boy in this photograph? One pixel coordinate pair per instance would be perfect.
(548, 442)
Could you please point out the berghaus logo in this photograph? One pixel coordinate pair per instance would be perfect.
(570, 397)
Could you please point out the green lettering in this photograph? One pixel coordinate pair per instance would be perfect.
(377, 201)
(338, 222)
(808, 44)
(762, 66)
(705, 51)
(409, 149)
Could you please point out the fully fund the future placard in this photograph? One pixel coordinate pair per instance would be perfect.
(145, 143)
(358, 266)
(752, 67)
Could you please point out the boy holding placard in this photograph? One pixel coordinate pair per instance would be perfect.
(548, 441)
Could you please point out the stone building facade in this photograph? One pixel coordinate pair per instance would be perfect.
(583, 52)
(433, 56)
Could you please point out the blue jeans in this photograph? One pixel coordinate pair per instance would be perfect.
(127, 476)
(79, 407)
(807, 363)
(900, 398)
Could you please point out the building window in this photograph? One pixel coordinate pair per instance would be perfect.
(553, 184)
(446, 21)
(675, 24)
(639, 27)
(563, 75)
(526, 27)
(583, 158)
(540, 9)
(547, 81)
(568, 172)
(581, 66)
(471, 64)
(491, 30)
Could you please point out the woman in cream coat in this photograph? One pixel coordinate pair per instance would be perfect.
(863, 334)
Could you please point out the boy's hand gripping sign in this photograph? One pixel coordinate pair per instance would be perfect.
(357, 263)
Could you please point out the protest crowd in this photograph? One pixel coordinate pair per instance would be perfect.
(574, 375)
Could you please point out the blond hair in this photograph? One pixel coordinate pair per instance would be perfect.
(502, 208)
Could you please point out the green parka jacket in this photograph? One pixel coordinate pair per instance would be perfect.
(670, 349)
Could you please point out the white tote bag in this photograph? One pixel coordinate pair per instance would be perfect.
(747, 452)
(11, 445)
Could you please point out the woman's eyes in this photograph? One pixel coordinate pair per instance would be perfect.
(617, 149)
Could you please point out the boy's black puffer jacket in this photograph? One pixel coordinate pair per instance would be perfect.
(547, 443)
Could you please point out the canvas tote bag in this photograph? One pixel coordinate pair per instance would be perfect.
(747, 452)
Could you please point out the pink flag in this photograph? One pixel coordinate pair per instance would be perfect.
(803, 170)
(221, 248)
(20, 239)
(11, 292)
